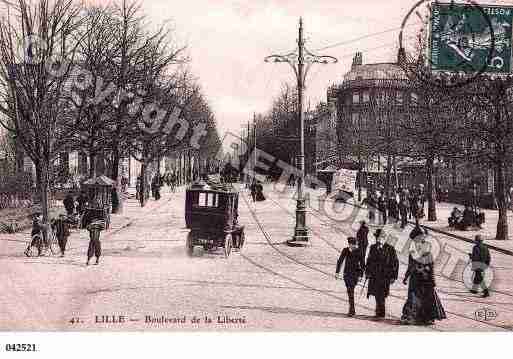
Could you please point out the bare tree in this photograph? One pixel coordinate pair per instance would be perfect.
(487, 131)
(135, 46)
(32, 80)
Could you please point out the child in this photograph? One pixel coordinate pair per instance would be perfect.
(352, 270)
(95, 248)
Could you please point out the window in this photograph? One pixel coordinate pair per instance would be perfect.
(363, 121)
(354, 119)
(212, 200)
(356, 97)
(366, 96)
(207, 200)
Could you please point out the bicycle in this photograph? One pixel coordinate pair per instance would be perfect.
(38, 246)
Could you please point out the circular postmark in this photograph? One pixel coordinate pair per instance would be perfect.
(451, 44)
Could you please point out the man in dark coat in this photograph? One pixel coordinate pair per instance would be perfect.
(352, 270)
(61, 228)
(480, 258)
(253, 189)
(414, 205)
(95, 248)
(372, 204)
(382, 270)
(403, 211)
(393, 210)
(362, 241)
(259, 192)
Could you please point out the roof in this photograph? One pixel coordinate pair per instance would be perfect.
(379, 71)
(211, 187)
(99, 181)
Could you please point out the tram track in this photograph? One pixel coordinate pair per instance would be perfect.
(291, 258)
(336, 228)
(295, 281)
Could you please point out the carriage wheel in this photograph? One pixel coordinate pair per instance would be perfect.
(189, 245)
(227, 245)
(32, 250)
(54, 244)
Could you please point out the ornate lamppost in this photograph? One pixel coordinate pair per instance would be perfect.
(301, 60)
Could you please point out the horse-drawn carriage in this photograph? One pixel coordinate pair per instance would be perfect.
(211, 213)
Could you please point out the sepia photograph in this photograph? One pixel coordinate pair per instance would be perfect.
(270, 166)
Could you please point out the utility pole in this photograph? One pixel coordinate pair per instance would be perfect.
(297, 60)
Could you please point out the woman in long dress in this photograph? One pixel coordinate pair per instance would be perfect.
(423, 305)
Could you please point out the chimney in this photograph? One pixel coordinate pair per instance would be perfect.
(357, 60)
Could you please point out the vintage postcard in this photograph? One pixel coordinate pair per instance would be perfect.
(243, 166)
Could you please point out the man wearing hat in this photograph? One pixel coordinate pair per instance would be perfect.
(362, 241)
(352, 270)
(382, 270)
(480, 258)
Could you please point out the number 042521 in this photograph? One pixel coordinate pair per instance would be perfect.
(20, 347)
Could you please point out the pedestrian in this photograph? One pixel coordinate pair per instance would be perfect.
(393, 209)
(61, 229)
(422, 200)
(480, 258)
(403, 211)
(382, 208)
(352, 270)
(95, 248)
(411, 200)
(124, 184)
(362, 241)
(423, 306)
(69, 204)
(253, 189)
(372, 204)
(382, 269)
(157, 184)
(259, 196)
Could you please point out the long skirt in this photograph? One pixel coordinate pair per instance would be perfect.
(423, 304)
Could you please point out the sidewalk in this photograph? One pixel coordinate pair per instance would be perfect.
(443, 212)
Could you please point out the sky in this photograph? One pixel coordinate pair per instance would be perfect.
(227, 41)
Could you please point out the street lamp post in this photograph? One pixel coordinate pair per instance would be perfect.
(300, 61)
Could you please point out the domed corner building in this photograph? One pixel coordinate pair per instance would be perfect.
(369, 99)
